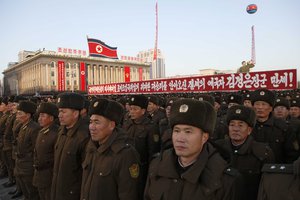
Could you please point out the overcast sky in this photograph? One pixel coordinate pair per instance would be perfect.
(193, 34)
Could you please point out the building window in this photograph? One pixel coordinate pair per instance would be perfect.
(68, 82)
(53, 83)
(52, 73)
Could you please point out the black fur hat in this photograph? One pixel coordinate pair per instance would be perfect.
(110, 109)
(193, 112)
(139, 100)
(49, 108)
(153, 99)
(295, 102)
(206, 97)
(243, 113)
(234, 98)
(27, 106)
(263, 95)
(282, 101)
(70, 100)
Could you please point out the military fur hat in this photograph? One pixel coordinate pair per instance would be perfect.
(247, 96)
(193, 112)
(27, 106)
(206, 97)
(282, 101)
(70, 100)
(263, 95)
(109, 109)
(5, 100)
(153, 99)
(170, 101)
(139, 100)
(243, 113)
(234, 98)
(19, 98)
(295, 102)
(49, 108)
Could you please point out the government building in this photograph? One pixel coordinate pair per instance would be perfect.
(44, 71)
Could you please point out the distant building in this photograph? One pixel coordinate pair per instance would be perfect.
(157, 66)
(48, 71)
(206, 72)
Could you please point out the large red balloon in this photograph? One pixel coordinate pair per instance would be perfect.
(252, 8)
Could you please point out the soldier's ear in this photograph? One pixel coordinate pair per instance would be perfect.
(205, 137)
(249, 130)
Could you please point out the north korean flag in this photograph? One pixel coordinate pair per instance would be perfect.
(100, 49)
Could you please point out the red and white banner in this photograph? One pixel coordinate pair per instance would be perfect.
(273, 80)
(140, 74)
(127, 74)
(83, 76)
(61, 75)
(100, 49)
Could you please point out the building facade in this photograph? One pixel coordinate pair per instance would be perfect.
(157, 66)
(48, 71)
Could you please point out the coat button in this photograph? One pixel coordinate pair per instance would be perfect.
(43, 140)
(175, 180)
(236, 151)
(100, 174)
(71, 192)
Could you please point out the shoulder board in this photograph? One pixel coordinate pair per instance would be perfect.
(278, 168)
(231, 171)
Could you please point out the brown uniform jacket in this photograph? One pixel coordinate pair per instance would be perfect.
(8, 133)
(44, 156)
(25, 147)
(204, 180)
(68, 157)
(248, 160)
(3, 120)
(275, 133)
(111, 170)
(280, 182)
(145, 135)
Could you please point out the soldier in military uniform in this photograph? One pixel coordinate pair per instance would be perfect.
(242, 152)
(295, 108)
(4, 110)
(44, 149)
(111, 166)
(165, 128)
(247, 100)
(7, 143)
(25, 147)
(69, 149)
(193, 169)
(156, 114)
(143, 131)
(271, 130)
(280, 182)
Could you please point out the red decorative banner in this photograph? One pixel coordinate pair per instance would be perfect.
(273, 80)
(140, 74)
(61, 75)
(127, 73)
(82, 76)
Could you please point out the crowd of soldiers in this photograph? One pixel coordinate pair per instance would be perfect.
(229, 146)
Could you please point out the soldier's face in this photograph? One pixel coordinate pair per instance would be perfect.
(295, 111)
(22, 117)
(262, 109)
(2, 107)
(100, 128)
(136, 112)
(238, 131)
(68, 117)
(45, 120)
(188, 141)
(248, 103)
(152, 107)
(281, 112)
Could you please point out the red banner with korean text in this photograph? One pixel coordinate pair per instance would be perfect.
(82, 76)
(140, 74)
(127, 73)
(61, 75)
(273, 80)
